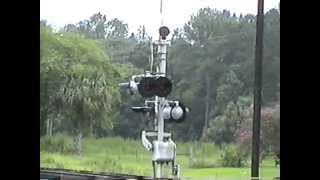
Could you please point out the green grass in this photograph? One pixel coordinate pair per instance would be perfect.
(239, 173)
(120, 155)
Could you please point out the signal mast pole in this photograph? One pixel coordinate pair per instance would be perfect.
(162, 51)
(161, 69)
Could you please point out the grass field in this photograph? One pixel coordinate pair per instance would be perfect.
(120, 155)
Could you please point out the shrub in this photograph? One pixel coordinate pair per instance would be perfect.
(200, 156)
(56, 144)
(49, 160)
(231, 156)
(201, 163)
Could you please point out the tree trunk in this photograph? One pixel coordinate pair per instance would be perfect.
(91, 133)
(79, 129)
(43, 121)
(49, 127)
(206, 113)
(78, 143)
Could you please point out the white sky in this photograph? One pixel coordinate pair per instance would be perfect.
(141, 12)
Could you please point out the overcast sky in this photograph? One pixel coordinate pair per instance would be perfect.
(141, 12)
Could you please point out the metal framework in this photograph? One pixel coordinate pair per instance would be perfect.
(163, 148)
(158, 141)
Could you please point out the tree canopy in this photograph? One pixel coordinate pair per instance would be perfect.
(211, 61)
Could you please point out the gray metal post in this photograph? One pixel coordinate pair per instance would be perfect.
(162, 70)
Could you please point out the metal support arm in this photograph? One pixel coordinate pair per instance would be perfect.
(146, 143)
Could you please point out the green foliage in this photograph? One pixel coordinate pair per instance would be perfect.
(270, 127)
(98, 27)
(57, 144)
(229, 90)
(211, 62)
(77, 81)
(203, 155)
(223, 128)
(270, 131)
(231, 156)
(129, 156)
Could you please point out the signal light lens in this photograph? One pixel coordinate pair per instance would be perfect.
(167, 112)
(149, 87)
(176, 112)
(164, 32)
(164, 86)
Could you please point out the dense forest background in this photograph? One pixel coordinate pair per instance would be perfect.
(211, 62)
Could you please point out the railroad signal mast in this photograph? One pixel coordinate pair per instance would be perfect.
(156, 85)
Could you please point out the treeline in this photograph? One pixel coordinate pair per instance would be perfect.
(211, 61)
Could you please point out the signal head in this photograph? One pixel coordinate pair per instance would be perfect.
(164, 32)
(153, 86)
(175, 113)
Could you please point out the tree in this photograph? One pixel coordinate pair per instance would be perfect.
(51, 67)
(97, 23)
(223, 47)
(70, 28)
(224, 127)
(271, 65)
(84, 81)
(89, 89)
(116, 29)
(210, 61)
(270, 130)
